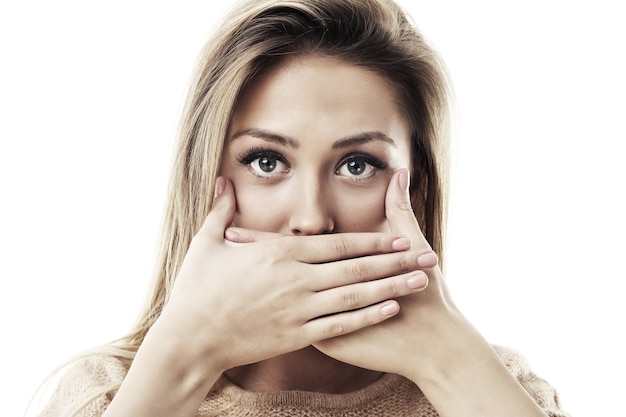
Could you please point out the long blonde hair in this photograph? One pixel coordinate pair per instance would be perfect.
(255, 37)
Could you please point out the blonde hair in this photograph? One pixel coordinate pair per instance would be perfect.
(255, 37)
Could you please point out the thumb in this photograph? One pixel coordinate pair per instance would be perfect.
(222, 211)
(399, 211)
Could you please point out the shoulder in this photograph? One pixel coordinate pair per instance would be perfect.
(98, 369)
(544, 394)
(92, 372)
(515, 362)
(87, 384)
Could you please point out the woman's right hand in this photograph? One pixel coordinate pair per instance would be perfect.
(239, 304)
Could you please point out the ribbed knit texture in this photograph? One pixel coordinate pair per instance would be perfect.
(391, 395)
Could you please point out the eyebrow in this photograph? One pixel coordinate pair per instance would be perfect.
(357, 139)
(267, 136)
(361, 138)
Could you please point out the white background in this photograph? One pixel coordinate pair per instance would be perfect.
(90, 96)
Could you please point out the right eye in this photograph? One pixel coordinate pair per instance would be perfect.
(265, 163)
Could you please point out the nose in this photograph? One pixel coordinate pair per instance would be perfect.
(311, 211)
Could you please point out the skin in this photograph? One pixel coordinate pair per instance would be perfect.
(326, 113)
(304, 265)
(325, 141)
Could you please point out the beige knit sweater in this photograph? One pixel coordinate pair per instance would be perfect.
(391, 395)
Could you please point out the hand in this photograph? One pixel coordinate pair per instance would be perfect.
(239, 304)
(427, 321)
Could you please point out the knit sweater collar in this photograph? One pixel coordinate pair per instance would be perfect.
(227, 390)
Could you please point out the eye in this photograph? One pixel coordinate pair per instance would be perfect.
(264, 163)
(360, 166)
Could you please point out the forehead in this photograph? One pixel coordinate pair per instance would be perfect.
(302, 73)
(321, 94)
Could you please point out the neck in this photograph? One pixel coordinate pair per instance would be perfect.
(304, 370)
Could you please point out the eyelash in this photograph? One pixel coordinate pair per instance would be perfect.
(378, 164)
(254, 153)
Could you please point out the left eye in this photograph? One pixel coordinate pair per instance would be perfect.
(358, 166)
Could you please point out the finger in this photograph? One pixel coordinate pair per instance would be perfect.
(242, 235)
(323, 328)
(399, 211)
(222, 212)
(356, 296)
(368, 268)
(328, 248)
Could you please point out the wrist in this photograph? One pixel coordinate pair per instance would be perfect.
(468, 378)
(450, 344)
(194, 352)
(168, 376)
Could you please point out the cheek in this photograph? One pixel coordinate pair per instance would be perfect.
(258, 209)
(352, 209)
(358, 211)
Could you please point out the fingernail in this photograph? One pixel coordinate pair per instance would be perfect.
(389, 309)
(220, 185)
(403, 181)
(417, 281)
(231, 235)
(401, 243)
(427, 260)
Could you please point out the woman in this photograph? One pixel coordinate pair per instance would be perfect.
(294, 278)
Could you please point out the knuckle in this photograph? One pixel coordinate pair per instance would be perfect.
(393, 288)
(382, 244)
(405, 205)
(360, 271)
(342, 247)
(283, 249)
(351, 299)
(332, 330)
(406, 263)
(370, 317)
(337, 329)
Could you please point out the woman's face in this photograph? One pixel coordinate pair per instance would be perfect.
(311, 149)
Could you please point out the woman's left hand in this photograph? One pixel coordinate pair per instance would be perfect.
(428, 328)
(431, 343)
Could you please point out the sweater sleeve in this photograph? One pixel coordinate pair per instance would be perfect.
(543, 393)
(83, 388)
